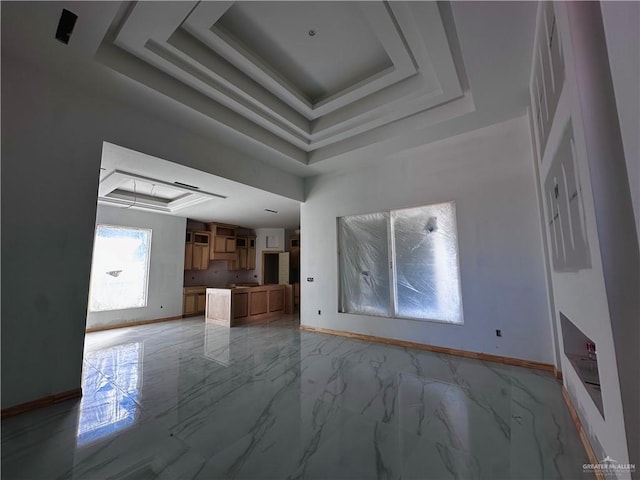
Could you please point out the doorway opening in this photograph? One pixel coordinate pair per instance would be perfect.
(270, 269)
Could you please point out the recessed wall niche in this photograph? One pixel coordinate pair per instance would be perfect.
(565, 211)
(582, 353)
(548, 76)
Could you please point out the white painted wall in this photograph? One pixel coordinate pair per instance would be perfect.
(52, 134)
(622, 29)
(490, 175)
(261, 246)
(583, 296)
(164, 296)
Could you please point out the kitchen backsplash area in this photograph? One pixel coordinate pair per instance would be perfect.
(218, 275)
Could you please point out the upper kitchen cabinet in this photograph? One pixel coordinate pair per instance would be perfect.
(245, 254)
(223, 246)
(196, 250)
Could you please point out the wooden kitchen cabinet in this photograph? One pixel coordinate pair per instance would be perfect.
(235, 306)
(193, 300)
(251, 253)
(201, 302)
(219, 245)
(223, 242)
(188, 251)
(189, 304)
(242, 258)
(251, 259)
(200, 251)
(240, 305)
(245, 254)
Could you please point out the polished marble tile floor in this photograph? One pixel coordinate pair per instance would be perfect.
(186, 400)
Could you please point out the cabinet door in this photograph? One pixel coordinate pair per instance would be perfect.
(240, 305)
(188, 256)
(276, 300)
(230, 245)
(251, 259)
(204, 258)
(189, 305)
(197, 257)
(242, 258)
(258, 302)
(220, 244)
(201, 302)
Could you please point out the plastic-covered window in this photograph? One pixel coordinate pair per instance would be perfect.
(364, 270)
(402, 264)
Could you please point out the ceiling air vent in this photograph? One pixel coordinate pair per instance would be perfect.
(65, 26)
(186, 185)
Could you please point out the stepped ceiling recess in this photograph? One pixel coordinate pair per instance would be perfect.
(299, 77)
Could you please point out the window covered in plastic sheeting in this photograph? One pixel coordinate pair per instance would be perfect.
(364, 264)
(426, 276)
(120, 268)
(402, 263)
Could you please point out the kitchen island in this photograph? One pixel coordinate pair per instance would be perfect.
(234, 306)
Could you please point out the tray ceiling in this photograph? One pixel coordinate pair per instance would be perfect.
(366, 67)
(292, 39)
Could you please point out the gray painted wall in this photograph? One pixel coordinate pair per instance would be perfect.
(490, 175)
(52, 134)
(164, 296)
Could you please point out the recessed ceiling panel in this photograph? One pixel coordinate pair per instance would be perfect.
(151, 189)
(319, 47)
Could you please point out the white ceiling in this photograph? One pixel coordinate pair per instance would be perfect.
(244, 206)
(278, 33)
(455, 67)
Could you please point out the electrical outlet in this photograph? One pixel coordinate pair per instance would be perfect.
(498, 333)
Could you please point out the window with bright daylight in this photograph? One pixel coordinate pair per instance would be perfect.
(401, 264)
(120, 269)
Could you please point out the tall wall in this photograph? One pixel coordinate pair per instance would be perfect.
(52, 134)
(164, 295)
(601, 297)
(489, 173)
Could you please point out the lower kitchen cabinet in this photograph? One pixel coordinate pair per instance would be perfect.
(194, 300)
